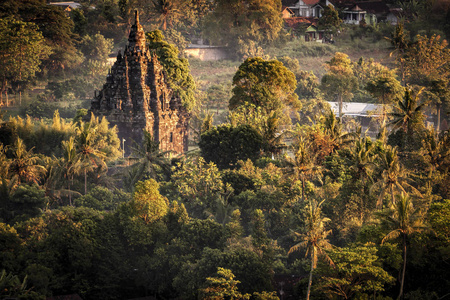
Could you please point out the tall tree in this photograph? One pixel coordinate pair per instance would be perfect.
(428, 57)
(357, 270)
(403, 220)
(54, 25)
(400, 41)
(244, 25)
(330, 20)
(304, 165)
(386, 89)
(408, 116)
(147, 202)
(24, 165)
(427, 63)
(177, 69)
(224, 286)
(89, 155)
(315, 239)
(339, 80)
(264, 83)
(22, 48)
(152, 162)
(70, 163)
(225, 145)
(168, 11)
(96, 47)
(362, 157)
(393, 176)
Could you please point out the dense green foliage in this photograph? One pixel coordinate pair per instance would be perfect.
(244, 26)
(340, 212)
(225, 145)
(22, 48)
(177, 69)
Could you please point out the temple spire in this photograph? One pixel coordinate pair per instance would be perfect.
(136, 17)
(136, 40)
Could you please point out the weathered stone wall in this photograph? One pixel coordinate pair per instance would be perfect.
(136, 97)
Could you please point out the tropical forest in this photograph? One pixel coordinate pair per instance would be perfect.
(287, 187)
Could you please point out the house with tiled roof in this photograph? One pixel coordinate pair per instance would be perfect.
(371, 12)
(307, 8)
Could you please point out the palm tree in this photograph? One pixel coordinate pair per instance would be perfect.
(88, 154)
(315, 239)
(393, 177)
(362, 157)
(272, 134)
(4, 162)
(334, 128)
(166, 11)
(151, 160)
(402, 220)
(407, 115)
(387, 89)
(436, 148)
(304, 166)
(24, 166)
(70, 163)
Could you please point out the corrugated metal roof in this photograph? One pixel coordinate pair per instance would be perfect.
(71, 4)
(357, 109)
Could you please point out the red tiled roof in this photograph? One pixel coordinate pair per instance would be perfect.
(311, 2)
(298, 21)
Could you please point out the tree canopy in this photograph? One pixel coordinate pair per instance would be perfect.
(264, 83)
(22, 49)
(177, 69)
(244, 26)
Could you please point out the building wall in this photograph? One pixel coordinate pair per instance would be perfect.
(137, 97)
(207, 54)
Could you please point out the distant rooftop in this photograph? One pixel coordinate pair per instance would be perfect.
(357, 109)
(71, 4)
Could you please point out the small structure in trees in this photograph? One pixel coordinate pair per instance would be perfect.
(137, 97)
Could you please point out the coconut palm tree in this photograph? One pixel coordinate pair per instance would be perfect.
(315, 239)
(362, 157)
(436, 148)
(4, 162)
(87, 152)
(333, 127)
(393, 177)
(303, 166)
(166, 11)
(151, 161)
(24, 165)
(408, 115)
(402, 220)
(70, 163)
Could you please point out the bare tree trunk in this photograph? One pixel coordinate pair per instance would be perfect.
(85, 182)
(303, 189)
(308, 292)
(400, 295)
(3, 89)
(340, 105)
(70, 194)
(438, 126)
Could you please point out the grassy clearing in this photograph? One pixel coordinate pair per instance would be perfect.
(311, 55)
(207, 73)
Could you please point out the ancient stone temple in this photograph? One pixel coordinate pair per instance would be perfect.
(137, 97)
